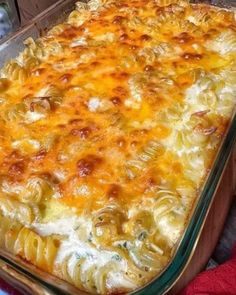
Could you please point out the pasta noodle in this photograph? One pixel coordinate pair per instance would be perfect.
(36, 189)
(14, 71)
(24, 242)
(109, 126)
(17, 210)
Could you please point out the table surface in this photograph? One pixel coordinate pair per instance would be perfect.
(30, 8)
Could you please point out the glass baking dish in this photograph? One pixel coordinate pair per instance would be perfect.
(11, 19)
(30, 280)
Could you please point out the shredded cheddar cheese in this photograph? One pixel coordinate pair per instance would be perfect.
(109, 126)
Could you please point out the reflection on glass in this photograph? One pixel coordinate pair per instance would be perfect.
(5, 23)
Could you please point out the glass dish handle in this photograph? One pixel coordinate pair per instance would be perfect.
(20, 281)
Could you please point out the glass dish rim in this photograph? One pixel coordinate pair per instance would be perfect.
(187, 244)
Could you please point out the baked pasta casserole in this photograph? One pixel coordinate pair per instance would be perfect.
(109, 126)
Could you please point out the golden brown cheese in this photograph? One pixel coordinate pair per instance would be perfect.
(109, 126)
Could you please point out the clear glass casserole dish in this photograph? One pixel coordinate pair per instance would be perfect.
(9, 17)
(14, 269)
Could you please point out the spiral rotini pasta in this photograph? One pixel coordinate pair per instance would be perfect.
(109, 126)
(92, 278)
(224, 43)
(26, 243)
(107, 224)
(36, 189)
(56, 30)
(14, 71)
(17, 210)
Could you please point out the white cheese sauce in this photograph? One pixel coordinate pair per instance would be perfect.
(75, 248)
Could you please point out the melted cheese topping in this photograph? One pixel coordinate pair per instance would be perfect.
(109, 125)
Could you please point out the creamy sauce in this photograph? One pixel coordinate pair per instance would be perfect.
(75, 248)
(223, 44)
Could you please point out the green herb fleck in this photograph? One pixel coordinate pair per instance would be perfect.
(116, 257)
(78, 256)
(142, 236)
(90, 237)
(89, 255)
(125, 245)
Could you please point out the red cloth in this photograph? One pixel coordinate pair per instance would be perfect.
(7, 289)
(218, 281)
